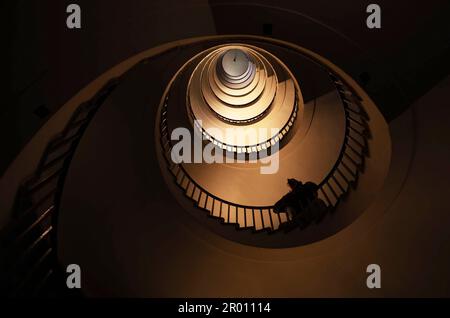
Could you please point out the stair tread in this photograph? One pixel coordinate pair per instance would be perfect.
(350, 165)
(283, 217)
(185, 183)
(266, 218)
(224, 211)
(241, 217)
(332, 198)
(258, 220)
(275, 220)
(354, 156)
(180, 176)
(341, 181)
(217, 208)
(202, 200)
(190, 190)
(352, 104)
(334, 186)
(322, 196)
(358, 148)
(209, 204)
(196, 194)
(357, 127)
(346, 174)
(249, 218)
(357, 118)
(359, 138)
(232, 216)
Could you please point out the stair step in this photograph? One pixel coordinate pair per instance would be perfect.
(196, 194)
(344, 92)
(258, 220)
(356, 118)
(355, 146)
(357, 128)
(31, 231)
(331, 196)
(185, 182)
(347, 175)
(47, 213)
(190, 190)
(217, 208)
(61, 141)
(49, 170)
(44, 186)
(350, 165)
(224, 211)
(166, 147)
(266, 219)
(353, 155)
(341, 181)
(56, 161)
(353, 105)
(241, 217)
(209, 204)
(275, 220)
(283, 217)
(55, 155)
(31, 251)
(180, 176)
(357, 137)
(175, 169)
(335, 188)
(35, 207)
(322, 196)
(202, 200)
(77, 123)
(249, 218)
(232, 216)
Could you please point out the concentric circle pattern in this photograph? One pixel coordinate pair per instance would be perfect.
(247, 88)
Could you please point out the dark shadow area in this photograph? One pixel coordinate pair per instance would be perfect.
(303, 203)
(395, 65)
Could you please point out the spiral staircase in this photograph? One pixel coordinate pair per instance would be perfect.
(29, 242)
(335, 185)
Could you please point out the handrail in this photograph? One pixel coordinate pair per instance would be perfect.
(164, 127)
(40, 219)
(344, 144)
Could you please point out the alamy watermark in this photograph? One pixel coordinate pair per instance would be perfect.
(189, 148)
(373, 281)
(73, 21)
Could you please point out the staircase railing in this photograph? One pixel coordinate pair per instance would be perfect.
(334, 186)
(28, 244)
(29, 264)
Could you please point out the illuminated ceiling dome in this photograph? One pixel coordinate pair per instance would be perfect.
(245, 86)
(235, 66)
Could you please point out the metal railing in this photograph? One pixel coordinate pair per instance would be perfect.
(29, 262)
(28, 243)
(333, 187)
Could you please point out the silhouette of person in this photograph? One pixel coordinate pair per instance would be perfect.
(292, 201)
(298, 201)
